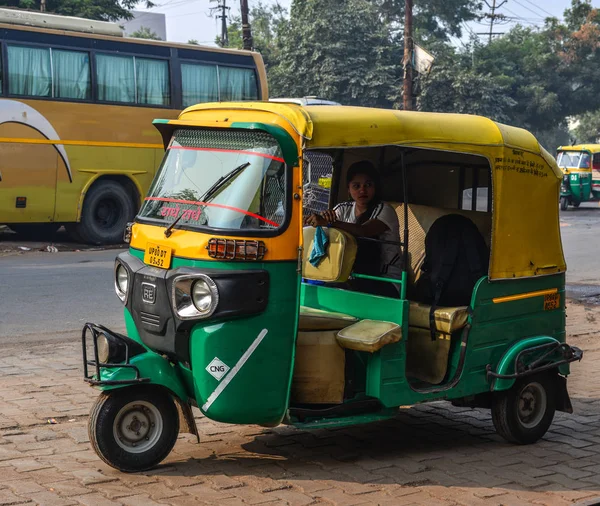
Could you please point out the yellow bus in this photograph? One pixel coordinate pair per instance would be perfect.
(77, 100)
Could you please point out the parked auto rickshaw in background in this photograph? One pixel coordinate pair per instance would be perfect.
(225, 309)
(581, 174)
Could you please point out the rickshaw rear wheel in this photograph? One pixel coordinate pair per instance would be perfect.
(524, 413)
(133, 429)
(576, 204)
(564, 203)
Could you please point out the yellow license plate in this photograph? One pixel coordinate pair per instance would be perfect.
(551, 301)
(157, 255)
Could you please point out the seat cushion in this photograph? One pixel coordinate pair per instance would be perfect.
(447, 319)
(427, 359)
(369, 335)
(317, 319)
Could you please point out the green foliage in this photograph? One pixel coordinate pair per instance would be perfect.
(194, 42)
(339, 51)
(145, 33)
(102, 10)
(588, 127)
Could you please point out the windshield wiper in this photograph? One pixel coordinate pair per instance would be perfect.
(222, 180)
(210, 192)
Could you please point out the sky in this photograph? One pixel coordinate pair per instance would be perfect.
(192, 19)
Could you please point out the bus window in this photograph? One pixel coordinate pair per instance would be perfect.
(29, 71)
(152, 77)
(71, 74)
(133, 80)
(237, 84)
(116, 80)
(199, 83)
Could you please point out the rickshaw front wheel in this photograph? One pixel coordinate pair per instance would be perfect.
(524, 413)
(133, 429)
(564, 203)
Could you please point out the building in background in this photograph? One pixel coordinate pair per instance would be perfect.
(153, 21)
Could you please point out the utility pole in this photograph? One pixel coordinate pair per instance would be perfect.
(493, 16)
(43, 6)
(408, 55)
(222, 6)
(246, 31)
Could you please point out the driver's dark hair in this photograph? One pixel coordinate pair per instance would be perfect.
(368, 169)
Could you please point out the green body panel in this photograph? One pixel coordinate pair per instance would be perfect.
(347, 421)
(257, 390)
(494, 329)
(288, 145)
(580, 187)
(507, 363)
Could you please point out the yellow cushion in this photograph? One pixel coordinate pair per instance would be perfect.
(317, 319)
(369, 335)
(319, 369)
(427, 359)
(337, 264)
(447, 319)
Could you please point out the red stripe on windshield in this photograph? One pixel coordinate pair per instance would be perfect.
(211, 204)
(262, 155)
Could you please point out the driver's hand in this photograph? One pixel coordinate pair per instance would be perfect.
(314, 220)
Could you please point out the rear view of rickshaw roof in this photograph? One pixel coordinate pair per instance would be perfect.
(344, 126)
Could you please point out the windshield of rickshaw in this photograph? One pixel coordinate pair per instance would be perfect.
(223, 179)
(574, 159)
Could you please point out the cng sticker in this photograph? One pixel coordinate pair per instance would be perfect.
(217, 369)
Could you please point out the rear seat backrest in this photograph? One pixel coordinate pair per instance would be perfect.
(420, 219)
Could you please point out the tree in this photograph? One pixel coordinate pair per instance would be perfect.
(194, 42)
(145, 33)
(102, 10)
(587, 127)
(340, 51)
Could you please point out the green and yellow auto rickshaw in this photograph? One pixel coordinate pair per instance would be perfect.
(226, 311)
(581, 174)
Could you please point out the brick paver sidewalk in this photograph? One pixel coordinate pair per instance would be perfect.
(431, 454)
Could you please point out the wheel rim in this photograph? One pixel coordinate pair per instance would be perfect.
(137, 426)
(531, 405)
(108, 213)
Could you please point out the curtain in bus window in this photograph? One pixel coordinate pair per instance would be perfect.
(116, 82)
(71, 74)
(237, 84)
(29, 71)
(152, 81)
(199, 83)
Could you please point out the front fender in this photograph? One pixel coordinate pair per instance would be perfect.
(506, 365)
(150, 365)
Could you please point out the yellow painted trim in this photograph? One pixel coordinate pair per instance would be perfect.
(82, 143)
(521, 296)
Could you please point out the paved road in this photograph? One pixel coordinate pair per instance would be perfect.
(49, 296)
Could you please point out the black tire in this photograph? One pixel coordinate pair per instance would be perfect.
(575, 204)
(157, 427)
(73, 231)
(107, 208)
(564, 203)
(524, 413)
(36, 231)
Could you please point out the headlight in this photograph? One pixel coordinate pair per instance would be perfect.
(121, 282)
(202, 296)
(194, 296)
(103, 349)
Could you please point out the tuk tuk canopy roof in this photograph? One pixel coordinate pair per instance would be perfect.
(592, 148)
(525, 239)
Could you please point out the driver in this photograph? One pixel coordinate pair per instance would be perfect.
(366, 215)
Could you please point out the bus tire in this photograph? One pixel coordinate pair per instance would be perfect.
(36, 231)
(564, 203)
(107, 208)
(133, 429)
(524, 413)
